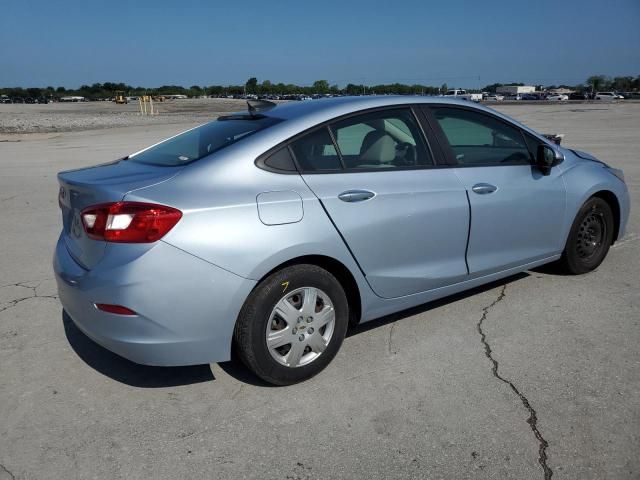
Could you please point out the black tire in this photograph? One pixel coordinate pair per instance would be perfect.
(590, 237)
(251, 327)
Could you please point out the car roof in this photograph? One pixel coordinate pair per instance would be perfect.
(309, 112)
(324, 109)
(304, 114)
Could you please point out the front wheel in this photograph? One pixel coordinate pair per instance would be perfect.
(590, 237)
(292, 324)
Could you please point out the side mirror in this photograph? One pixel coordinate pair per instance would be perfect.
(547, 157)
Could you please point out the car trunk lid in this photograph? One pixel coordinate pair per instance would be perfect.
(105, 183)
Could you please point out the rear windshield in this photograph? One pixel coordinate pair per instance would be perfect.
(201, 141)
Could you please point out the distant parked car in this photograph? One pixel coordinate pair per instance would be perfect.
(17, 100)
(73, 99)
(557, 97)
(463, 95)
(579, 96)
(494, 97)
(606, 96)
(30, 100)
(44, 100)
(530, 96)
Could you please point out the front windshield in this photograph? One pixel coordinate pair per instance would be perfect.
(201, 141)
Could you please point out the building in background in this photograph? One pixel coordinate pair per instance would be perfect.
(561, 91)
(515, 89)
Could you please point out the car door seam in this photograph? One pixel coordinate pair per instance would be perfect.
(336, 228)
(466, 248)
(343, 239)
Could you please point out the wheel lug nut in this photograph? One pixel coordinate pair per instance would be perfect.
(310, 330)
(301, 337)
(295, 330)
(309, 319)
(299, 319)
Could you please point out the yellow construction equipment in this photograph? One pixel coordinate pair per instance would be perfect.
(120, 98)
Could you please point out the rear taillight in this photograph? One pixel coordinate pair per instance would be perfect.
(129, 222)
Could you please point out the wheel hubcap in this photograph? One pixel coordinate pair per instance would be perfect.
(300, 327)
(591, 235)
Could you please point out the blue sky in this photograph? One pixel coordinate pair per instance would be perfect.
(462, 43)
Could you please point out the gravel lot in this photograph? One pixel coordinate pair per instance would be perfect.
(67, 117)
(411, 396)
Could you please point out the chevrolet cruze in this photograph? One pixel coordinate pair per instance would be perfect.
(271, 231)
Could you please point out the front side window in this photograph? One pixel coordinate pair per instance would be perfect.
(478, 139)
(532, 143)
(201, 141)
(385, 139)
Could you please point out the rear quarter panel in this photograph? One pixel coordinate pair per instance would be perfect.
(221, 222)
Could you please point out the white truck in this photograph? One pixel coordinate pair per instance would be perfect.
(463, 95)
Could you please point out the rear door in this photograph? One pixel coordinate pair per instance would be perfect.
(517, 214)
(405, 221)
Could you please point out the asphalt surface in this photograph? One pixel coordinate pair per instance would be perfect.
(416, 395)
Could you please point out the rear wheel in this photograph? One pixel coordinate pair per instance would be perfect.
(590, 237)
(292, 324)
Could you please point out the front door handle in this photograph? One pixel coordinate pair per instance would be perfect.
(356, 195)
(484, 188)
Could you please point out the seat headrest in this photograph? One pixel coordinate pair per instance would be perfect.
(378, 147)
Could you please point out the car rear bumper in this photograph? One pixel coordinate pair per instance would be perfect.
(186, 308)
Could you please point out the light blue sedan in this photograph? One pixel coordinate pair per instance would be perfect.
(272, 230)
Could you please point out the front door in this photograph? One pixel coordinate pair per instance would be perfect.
(517, 214)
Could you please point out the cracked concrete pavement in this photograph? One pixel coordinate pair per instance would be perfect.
(532, 376)
(6, 292)
(533, 416)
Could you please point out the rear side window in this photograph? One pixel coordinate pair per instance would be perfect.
(201, 141)
(478, 139)
(280, 161)
(316, 152)
(384, 139)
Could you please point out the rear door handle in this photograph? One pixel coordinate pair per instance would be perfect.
(356, 195)
(484, 188)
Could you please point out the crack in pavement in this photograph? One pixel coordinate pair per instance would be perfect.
(533, 417)
(391, 351)
(23, 284)
(34, 294)
(6, 199)
(6, 470)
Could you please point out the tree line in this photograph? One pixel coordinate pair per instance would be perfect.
(105, 90)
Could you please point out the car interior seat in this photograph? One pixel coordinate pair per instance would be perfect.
(378, 150)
